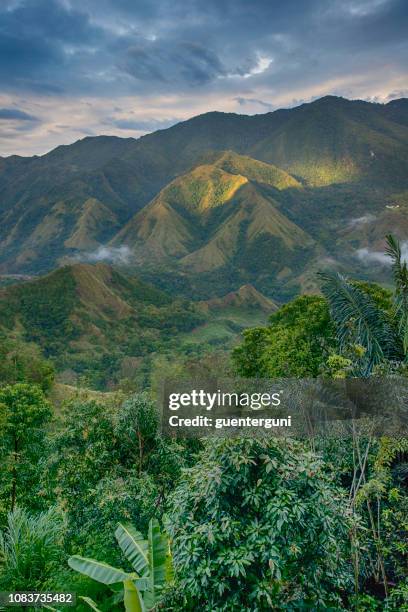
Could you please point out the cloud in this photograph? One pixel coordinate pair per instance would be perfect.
(114, 255)
(368, 256)
(395, 95)
(254, 101)
(14, 114)
(82, 45)
(141, 125)
(104, 254)
(261, 66)
(14, 122)
(361, 221)
(191, 57)
(171, 62)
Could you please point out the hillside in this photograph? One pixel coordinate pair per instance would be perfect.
(219, 216)
(101, 327)
(246, 297)
(192, 199)
(252, 169)
(94, 321)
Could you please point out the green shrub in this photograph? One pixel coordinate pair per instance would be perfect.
(256, 525)
(30, 550)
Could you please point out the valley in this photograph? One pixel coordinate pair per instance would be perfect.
(115, 252)
(205, 194)
(104, 329)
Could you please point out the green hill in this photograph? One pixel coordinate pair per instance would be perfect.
(191, 191)
(93, 320)
(102, 328)
(252, 169)
(219, 215)
(246, 297)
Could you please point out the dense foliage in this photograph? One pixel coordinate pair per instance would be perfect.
(108, 463)
(253, 524)
(24, 414)
(23, 362)
(256, 525)
(297, 341)
(30, 550)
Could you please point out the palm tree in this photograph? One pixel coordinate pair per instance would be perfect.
(361, 321)
(400, 274)
(383, 334)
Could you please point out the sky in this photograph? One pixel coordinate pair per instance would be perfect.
(76, 68)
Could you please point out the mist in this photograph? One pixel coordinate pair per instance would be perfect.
(113, 255)
(368, 256)
(360, 221)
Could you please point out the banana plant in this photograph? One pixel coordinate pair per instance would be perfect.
(150, 560)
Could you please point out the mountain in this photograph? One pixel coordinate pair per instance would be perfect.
(94, 321)
(103, 327)
(220, 225)
(216, 213)
(246, 297)
(217, 201)
(334, 141)
(328, 141)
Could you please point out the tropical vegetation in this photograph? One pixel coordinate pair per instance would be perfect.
(95, 500)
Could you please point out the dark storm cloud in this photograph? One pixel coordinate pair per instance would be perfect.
(14, 114)
(41, 42)
(190, 62)
(81, 45)
(176, 58)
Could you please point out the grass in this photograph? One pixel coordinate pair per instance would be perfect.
(225, 326)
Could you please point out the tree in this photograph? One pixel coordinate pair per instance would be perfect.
(297, 341)
(151, 567)
(374, 332)
(137, 426)
(361, 320)
(109, 464)
(257, 524)
(23, 362)
(24, 415)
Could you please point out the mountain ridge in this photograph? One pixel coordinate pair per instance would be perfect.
(92, 317)
(217, 203)
(389, 105)
(338, 160)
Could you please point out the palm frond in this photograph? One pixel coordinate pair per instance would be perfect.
(358, 320)
(393, 250)
(400, 274)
